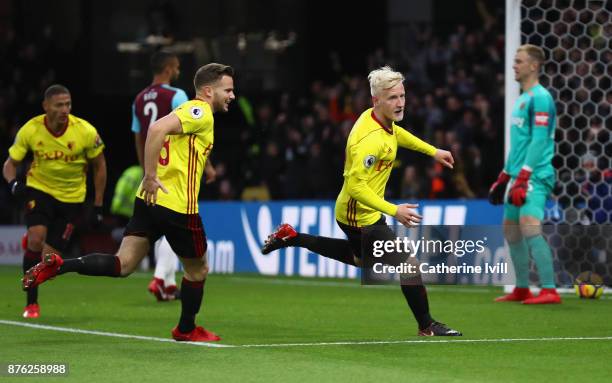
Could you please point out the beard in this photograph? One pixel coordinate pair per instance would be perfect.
(219, 106)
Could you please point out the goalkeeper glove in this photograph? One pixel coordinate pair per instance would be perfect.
(518, 191)
(496, 192)
(17, 188)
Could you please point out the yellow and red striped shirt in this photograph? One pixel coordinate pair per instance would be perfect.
(60, 160)
(370, 154)
(183, 156)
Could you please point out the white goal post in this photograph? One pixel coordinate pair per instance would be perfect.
(575, 35)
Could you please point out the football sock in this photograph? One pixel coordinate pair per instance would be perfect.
(416, 296)
(520, 259)
(543, 258)
(95, 264)
(338, 249)
(166, 262)
(192, 294)
(30, 259)
(170, 279)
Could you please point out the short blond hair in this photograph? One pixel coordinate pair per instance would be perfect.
(536, 53)
(383, 78)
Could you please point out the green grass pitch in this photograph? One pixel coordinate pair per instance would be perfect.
(307, 329)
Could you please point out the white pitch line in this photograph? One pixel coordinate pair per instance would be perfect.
(343, 343)
(109, 334)
(447, 340)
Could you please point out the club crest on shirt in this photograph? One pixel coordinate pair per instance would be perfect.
(196, 112)
(518, 121)
(369, 161)
(522, 106)
(31, 204)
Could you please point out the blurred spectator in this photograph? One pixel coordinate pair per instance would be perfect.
(293, 145)
(411, 188)
(454, 99)
(596, 188)
(271, 166)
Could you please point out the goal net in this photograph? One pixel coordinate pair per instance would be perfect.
(575, 35)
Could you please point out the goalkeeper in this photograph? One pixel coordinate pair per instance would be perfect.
(528, 178)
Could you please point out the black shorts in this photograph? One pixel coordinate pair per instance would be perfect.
(361, 237)
(184, 232)
(361, 240)
(59, 217)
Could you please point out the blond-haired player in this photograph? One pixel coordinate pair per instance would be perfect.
(370, 151)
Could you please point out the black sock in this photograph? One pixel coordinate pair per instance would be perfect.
(192, 294)
(416, 296)
(30, 259)
(338, 249)
(96, 264)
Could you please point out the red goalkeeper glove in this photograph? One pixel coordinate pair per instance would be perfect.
(518, 191)
(496, 191)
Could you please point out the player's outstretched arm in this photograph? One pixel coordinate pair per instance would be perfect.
(406, 216)
(17, 152)
(209, 172)
(156, 136)
(497, 190)
(98, 163)
(139, 149)
(360, 191)
(9, 171)
(407, 140)
(99, 174)
(444, 157)
(138, 139)
(404, 213)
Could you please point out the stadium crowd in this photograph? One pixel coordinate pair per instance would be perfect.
(22, 81)
(294, 144)
(294, 147)
(290, 145)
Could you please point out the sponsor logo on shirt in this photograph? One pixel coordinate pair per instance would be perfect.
(384, 165)
(541, 119)
(56, 155)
